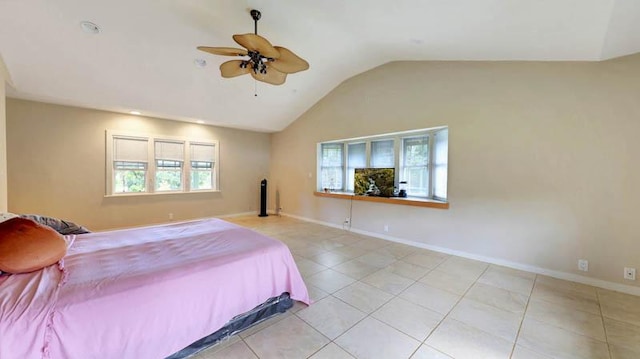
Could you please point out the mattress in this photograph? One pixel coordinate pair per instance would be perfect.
(273, 306)
(144, 292)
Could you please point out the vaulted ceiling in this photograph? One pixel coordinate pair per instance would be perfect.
(143, 58)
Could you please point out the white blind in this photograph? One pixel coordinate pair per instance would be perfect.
(332, 154)
(382, 154)
(441, 163)
(203, 152)
(130, 149)
(169, 150)
(357, 155)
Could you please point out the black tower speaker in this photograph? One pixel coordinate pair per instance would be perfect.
(263, 198)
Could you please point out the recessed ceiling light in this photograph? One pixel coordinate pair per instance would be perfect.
(89, 27)
(200, 121)
(135, 112)
(200, 63)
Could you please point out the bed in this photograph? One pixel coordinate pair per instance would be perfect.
(144, 292)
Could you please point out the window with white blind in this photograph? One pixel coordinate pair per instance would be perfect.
(203, 165)
(440, 163)
(169, 156)
(332, 168)
(130, 164)
(382, 154)
(356, 158)
(415, 165)
(159, 164)
(419, 157)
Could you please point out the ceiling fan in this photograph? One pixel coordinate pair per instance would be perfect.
(266, 63)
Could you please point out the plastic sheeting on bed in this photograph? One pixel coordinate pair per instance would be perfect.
(264, 311)
(143, 292)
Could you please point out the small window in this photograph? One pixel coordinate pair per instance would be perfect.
(129, 176)
(415, 162)
(169, 159)
(331, 171)
(130, 164)
(356, 158)
(440, 164)
(382, 154)
(203, 174)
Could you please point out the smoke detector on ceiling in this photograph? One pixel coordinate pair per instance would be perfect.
(89, 27)
(200, 63)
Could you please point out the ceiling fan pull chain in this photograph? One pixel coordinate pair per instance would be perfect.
(255, 88)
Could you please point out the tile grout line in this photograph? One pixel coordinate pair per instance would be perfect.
(250, 348)
(424, 342)
(606, 337)
(524, 314)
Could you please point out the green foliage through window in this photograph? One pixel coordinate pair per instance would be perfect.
(130, 177)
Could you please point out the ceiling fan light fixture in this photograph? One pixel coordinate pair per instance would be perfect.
(266, 63)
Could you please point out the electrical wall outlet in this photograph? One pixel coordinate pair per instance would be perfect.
(386, 228)
(170, 215)
(583, 265)
(347, 220)
(629, 273)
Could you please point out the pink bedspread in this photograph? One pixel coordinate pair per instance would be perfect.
(142, 293)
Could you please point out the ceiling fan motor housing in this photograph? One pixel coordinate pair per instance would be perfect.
(255, 14)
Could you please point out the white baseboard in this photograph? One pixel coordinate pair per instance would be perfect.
(618, 287)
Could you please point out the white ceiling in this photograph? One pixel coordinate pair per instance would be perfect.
(143, 57)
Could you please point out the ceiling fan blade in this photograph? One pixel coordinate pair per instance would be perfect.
(272, 76)
(253, 42)
(232, 69)
(288, 62)
(226, 51)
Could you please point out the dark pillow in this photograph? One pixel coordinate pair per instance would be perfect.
(26, 246)
(61, 226)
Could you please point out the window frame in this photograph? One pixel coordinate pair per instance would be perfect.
(398, 141)
(158, 168)
(215, 166)
(151, 170)
(342, 166)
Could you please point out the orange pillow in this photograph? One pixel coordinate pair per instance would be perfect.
(26, 246)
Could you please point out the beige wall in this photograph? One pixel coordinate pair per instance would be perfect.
(4, 79)
(56, 167)
(543, 159)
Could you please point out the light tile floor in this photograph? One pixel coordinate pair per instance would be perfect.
(379, 299)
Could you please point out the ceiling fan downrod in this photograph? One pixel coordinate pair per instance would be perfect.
(255, 14)
(256, 59)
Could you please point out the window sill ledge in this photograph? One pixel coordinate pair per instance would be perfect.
(406, 201)
(144, 194)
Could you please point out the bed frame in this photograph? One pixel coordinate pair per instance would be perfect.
(272, 307)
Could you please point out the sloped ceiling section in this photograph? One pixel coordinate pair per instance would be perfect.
(143, 59)
(623, 32)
